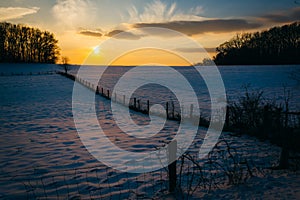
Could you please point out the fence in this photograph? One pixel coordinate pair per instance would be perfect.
(183, 113)
(259, 121)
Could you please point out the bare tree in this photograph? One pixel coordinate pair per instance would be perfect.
(19, 43)
(207, 62)
(65, 63)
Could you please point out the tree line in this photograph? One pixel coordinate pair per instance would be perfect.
(19, 43)
(278, 45)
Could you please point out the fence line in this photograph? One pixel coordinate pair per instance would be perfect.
(184, 113)
(135, 104)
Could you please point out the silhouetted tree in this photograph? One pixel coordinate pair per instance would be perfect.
(65, 63)
(278, 45)
(207, 62)
(19, 43)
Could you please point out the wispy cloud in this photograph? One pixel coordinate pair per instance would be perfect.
(72, 13)
(196, 10)
(8, 13)
(158, 11)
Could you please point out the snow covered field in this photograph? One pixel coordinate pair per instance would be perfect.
(270, 79)
(42, 156)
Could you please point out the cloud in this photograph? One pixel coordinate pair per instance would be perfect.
(153, 11)
(157, 11)
(283, 17)
(189, 28)
(8, 13)
(196, 10)
(72, 13)
(120, 34)
(117, 34)
(90, 33)
(199, 27)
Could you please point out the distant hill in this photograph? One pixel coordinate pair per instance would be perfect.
(20, 44)
(278, 45)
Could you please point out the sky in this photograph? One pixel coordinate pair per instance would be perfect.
(82, 25)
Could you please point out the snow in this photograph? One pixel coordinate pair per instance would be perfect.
(42, 156)
(274, 185)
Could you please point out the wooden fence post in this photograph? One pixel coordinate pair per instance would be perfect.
(134, 103)
(139, 105)
(172, 150)
(148, 106)
(108, 94)
(124, 99)
(173, 110)
(102, 91)
(167, 110)
(191, 111)
(97, 89)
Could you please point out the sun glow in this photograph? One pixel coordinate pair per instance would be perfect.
(96, 49)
